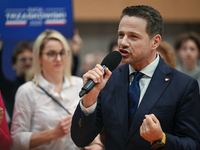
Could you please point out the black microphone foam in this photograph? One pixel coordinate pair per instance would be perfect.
(111, 61)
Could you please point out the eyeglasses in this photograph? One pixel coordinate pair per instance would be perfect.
(52, 55)
(23, 60)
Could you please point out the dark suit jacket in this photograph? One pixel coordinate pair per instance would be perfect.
(175, 103)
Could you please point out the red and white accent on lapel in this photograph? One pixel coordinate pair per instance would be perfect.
(166, 79)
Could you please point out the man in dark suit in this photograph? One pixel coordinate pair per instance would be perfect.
(159, 110)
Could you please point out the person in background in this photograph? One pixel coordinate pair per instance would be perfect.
(21, 62)
(88, 62)
(145, 104)
(187, 46)
(113, 46)
(44, 107)
(76, 44)
(5, 140)
(167, 53)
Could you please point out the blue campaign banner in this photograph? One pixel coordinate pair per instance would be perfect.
(26, 19)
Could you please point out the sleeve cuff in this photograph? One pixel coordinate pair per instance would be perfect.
(89, 110)
(21, 141)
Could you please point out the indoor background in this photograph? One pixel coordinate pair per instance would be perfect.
(97, 20)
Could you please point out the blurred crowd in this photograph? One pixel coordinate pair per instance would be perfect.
(52, 68)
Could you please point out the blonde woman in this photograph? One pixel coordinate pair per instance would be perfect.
(44, 107)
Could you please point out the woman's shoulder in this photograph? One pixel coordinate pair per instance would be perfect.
(27, 87)
(26, 94)
(76, 79)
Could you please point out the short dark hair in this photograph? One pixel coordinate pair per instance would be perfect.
(154, 19)
(187, 36)
(112, 44)
(20, 48)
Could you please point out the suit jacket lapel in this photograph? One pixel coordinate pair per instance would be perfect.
(155, 89)
(121, 98)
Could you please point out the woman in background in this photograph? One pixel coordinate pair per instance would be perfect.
(44, 107)
(187, 46)
(167, 53)
(5, 140)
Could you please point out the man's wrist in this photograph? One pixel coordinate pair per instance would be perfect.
(99, 145)
(159, 144)
(89, 110)
(164, 138)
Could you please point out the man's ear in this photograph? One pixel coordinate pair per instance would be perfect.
(156, 41)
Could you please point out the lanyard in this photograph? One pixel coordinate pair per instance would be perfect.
(54, 100)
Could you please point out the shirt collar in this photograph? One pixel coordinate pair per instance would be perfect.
(49, 86)
(149, 69)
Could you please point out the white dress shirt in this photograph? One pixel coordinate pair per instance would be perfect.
(148, 72)
(35, 111)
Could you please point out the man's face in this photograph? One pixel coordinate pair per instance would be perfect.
(134, 44)
(189, 52)
(23, 62)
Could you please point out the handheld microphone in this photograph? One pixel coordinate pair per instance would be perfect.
(111, 61)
